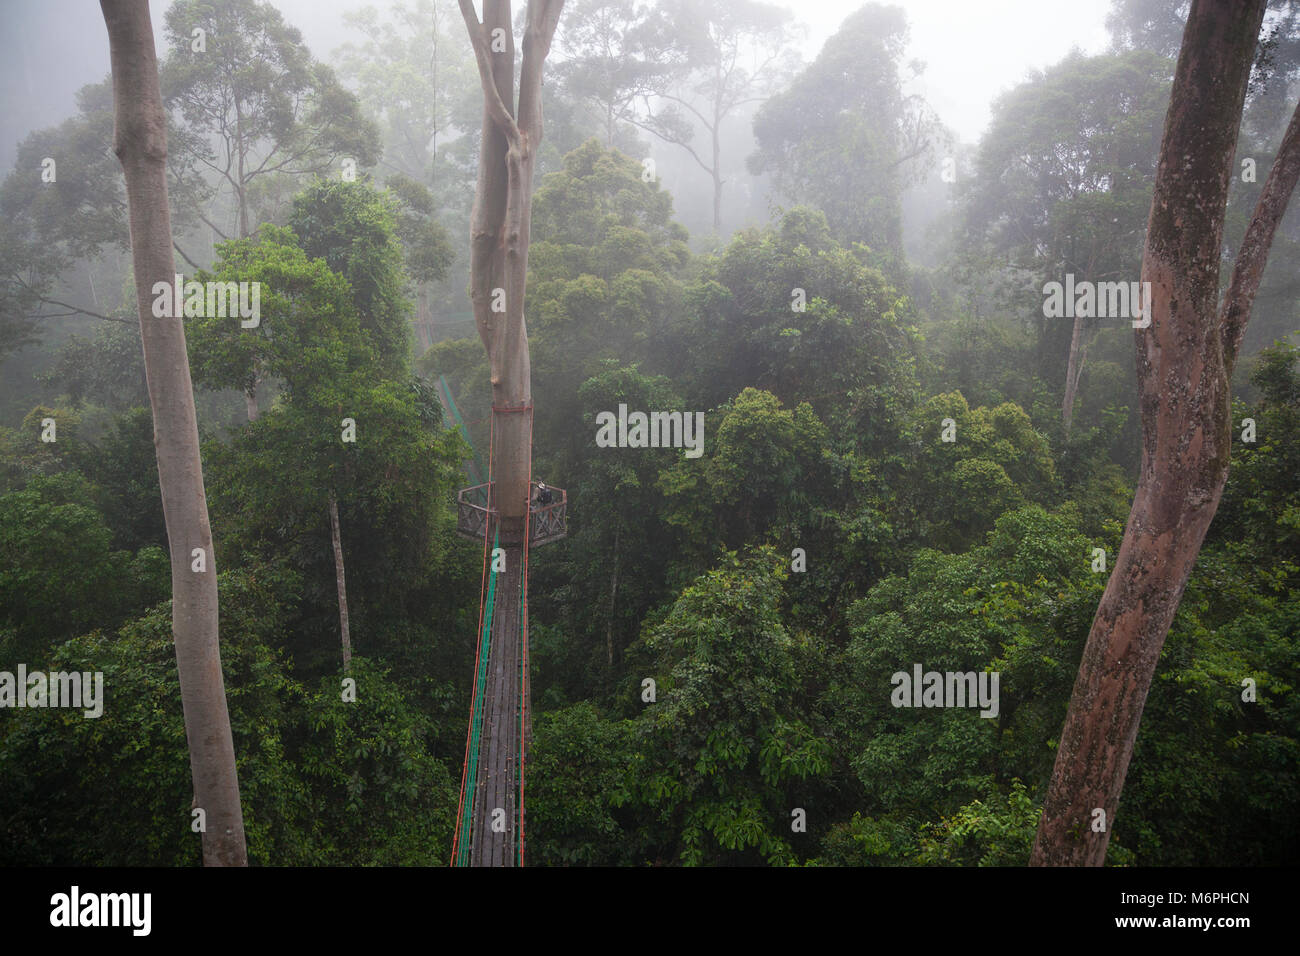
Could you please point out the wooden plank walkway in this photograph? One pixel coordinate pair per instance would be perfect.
(497, 785)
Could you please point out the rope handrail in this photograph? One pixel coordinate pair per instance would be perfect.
(487, 595)
(483, 515)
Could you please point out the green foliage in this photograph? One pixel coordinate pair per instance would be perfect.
(308, 329)
(272, 486)
(607, 267)
(763, 467)
(1061, 185)
(725, 747)
(843, 138)
(321, 781)
(354, 229)
(578, 780)
(26, 456)
(429, 253)
(612, 569)
(1016, 605)
(123, 466)
(869, 841)
(997, 833)
(380, 796)
(107, 368)
(1260, 510)
(60, 575)
(850, 349)
(949, 493)
(1062, 179)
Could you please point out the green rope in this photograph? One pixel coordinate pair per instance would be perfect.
(519, 713)
(464, 429)
(476, 723)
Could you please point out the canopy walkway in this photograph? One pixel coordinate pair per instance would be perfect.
(490, 818)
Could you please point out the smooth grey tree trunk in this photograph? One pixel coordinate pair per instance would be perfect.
(499, 232)
(499, 229)
(140, 141)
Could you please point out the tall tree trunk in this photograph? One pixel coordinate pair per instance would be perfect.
(499, 234)
(613, 595)
(1073, 370)
(241, 190)
(1184, 362)
(424, 315)
(251, 406)
(336, 538)
(716, 171)
(140, 141)
(499, 228)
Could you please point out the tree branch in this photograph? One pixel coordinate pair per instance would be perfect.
(669, 139)
(184, 255)
(496, 107)
(677, 99)
(543, 18)
(211, 225)
(78, 310)
(1248, 271)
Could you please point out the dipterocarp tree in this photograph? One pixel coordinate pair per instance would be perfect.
(499, 232)
(610, 55)
(499, 227)
(240, 77)
(845, 138)
(1062, 183)
(1185, 360)
(726, 56)
(140, 141)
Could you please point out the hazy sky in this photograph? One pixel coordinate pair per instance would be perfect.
(973, 49)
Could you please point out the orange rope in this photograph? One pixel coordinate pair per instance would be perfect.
(467, 785)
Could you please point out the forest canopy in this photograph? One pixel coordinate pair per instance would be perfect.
(846, 632)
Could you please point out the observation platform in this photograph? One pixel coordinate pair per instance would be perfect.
(546, 523)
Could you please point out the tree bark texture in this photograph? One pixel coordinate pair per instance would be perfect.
(140, 141)
(1073, 372)
(1184, 362)
(499, 232)
(499, 229)
(336, 539)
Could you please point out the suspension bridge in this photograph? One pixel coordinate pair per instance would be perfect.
(490, 818)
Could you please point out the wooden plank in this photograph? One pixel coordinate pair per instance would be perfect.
(497, 786)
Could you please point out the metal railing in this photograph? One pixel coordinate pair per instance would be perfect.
(472, 510)
(549, 522)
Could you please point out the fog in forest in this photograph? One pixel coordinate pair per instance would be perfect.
(763, 433)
